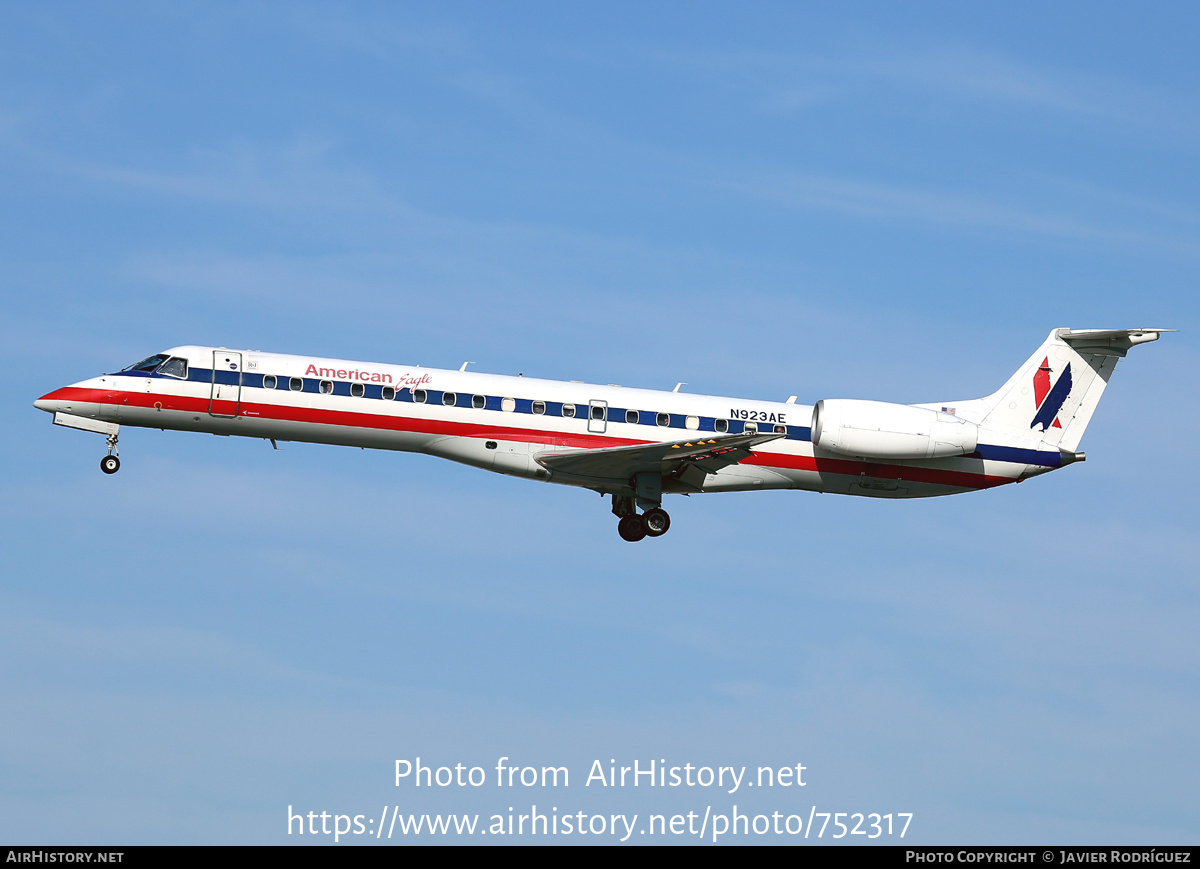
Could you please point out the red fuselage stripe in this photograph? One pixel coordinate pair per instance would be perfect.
(387, 422)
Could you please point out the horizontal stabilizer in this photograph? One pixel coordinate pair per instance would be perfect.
(1108, 342)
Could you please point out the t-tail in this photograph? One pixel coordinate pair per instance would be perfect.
(1047, 404)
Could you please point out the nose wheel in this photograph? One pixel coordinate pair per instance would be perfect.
(110, 464)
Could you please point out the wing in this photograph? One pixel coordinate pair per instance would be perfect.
(671, 459)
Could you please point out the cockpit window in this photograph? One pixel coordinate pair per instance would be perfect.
(174, 367)
(149, 364)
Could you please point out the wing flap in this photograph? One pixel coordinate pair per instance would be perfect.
(708, 454)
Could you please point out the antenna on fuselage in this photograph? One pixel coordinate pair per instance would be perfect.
(679, 384)
(463, 367)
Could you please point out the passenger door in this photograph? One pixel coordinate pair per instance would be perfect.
(226, 397)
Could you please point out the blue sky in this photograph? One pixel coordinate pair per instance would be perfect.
(873, 201)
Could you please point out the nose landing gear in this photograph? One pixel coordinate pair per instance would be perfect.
(111, 463)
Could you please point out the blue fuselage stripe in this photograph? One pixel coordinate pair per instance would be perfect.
(1042, 458)
(253, 380)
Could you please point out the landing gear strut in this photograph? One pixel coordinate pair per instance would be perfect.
(110, 464)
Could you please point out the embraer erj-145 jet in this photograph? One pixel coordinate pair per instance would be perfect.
(636, 445)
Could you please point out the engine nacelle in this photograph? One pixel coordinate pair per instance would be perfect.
(880, 430)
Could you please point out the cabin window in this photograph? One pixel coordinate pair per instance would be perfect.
(663, 419)
(449, 399)
(296, 384)
(269, 381)
(175, 367)
(539, 407)
(631, 416)
(508, 404)
(720, 425)
(692, 422)
(598, 411)
(419, 396)
(479, 402)
(750, 428)
(781, 429)
(389, 393)
(326, 387)
(569, 411)
(357, 390)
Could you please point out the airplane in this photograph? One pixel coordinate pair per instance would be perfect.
(635, 445)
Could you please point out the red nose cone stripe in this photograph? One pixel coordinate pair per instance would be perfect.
(66, 393)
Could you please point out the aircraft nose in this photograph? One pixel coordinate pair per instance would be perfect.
(56, 401)
(83, 399)
(47, 403)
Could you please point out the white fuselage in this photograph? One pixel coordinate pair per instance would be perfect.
(499, 423)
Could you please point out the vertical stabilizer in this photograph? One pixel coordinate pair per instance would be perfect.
(1051, 398)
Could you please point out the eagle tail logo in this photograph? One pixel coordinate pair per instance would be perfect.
(1049, 399)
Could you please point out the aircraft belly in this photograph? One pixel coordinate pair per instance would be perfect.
(469, 451)
(745, 478)
(902, 482)
(503, 457)
(283, 430)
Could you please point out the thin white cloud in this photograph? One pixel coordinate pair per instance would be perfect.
(862, 198)
(177, 648)
(989, 76)
(293, 175)
(800, 80)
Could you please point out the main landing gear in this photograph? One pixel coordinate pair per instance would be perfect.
(110, 464)
(633, 526)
